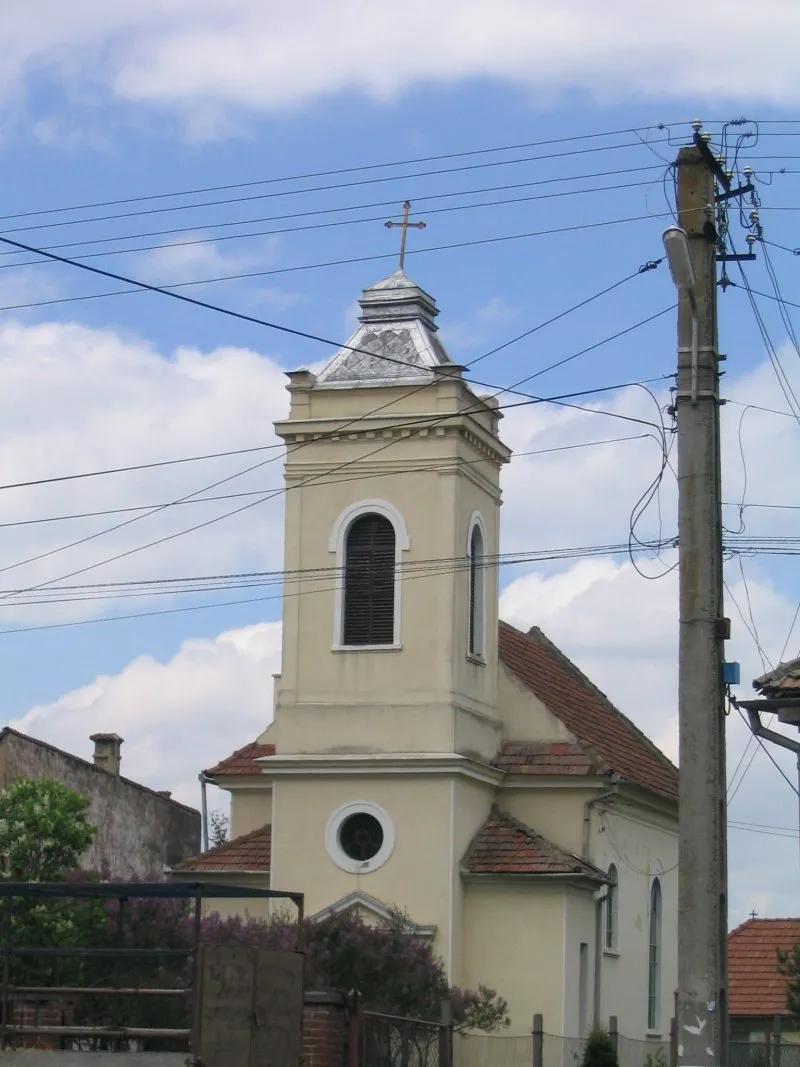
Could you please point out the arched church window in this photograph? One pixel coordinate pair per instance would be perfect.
(654, 959)
(612, 907)
(369, 582)
(477, 567)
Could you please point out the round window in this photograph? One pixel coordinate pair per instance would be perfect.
(359, 837)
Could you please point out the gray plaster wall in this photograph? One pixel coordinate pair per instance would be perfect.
(139, 832)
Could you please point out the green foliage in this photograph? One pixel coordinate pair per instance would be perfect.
(599, 1050)
(43, 831)
(220, 829)
(655, 1059)
(789, 967)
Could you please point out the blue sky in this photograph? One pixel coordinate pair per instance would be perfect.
(113, 106)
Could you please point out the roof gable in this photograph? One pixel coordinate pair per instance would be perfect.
(755, 988)
(243, 760)
(601, 730)
(249, 853)
(359, 901)
(504, 845)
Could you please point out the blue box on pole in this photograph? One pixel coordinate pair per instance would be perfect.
(731, 673)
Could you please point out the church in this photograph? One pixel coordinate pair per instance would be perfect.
(424, 754)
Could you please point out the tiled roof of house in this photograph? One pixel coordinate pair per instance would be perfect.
(243, 760)
(504, 845)
(754, 986)
(250, 852)
(610, 737)
(545, 757)
(780, 682)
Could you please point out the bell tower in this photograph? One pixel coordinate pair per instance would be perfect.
(391, 545)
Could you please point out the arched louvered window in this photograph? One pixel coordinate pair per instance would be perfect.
(369, 580)
(477, 553)
(654, 959)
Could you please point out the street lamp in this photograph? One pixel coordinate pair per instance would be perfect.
(681, 268)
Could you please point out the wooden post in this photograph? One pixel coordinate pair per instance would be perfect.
(446, 1035)
(354, 1033)
(776, 1041)
(613, 1031)
(538, 1041)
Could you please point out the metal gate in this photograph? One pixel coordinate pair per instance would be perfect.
(249, 1007)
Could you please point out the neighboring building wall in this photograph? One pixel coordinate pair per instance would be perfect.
(139, 831)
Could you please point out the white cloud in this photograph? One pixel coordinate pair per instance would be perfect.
(204, 58)
(176, 718)
(77, 399)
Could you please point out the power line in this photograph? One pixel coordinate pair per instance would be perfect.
(332, 173)
(188, 243)
(195, 607)
(423, 422)
(324, 188)
(423, 468)
(286, 270)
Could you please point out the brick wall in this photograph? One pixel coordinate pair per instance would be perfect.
(324, 1042)
(49, 1013)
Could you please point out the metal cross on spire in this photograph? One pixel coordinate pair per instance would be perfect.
(405, 225)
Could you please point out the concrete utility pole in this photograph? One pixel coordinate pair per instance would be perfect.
(702, 873)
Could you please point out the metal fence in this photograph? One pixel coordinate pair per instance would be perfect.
(120, 996)
(769, 1052)
(394, 1041)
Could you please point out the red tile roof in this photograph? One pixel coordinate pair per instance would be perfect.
(250, 852)
(504, 845)
(545, 757)
(610, 738)
(782, 681)
(243, 760)
(754, 986)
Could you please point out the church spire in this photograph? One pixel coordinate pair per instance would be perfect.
(396, 340)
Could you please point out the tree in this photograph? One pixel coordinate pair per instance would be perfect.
(43, 830)
(789, 967)
(220, 828)
(599, 1050)
(43, 833)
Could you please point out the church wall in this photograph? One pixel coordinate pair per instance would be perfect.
(554, 811)
(471, 802)
(524, 716)
(580, 919)
(415, 877)
(642, 847)
(250, 809)
(514, 943)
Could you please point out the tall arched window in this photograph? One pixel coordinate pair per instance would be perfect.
(477, 565)
(654, 959)
(369, 582)
(612, 907)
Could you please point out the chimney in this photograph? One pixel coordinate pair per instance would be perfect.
(107, 752)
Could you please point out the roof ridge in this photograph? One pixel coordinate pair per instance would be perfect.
(533, 836)
(93, 766)
(219, 850)
(538, 634)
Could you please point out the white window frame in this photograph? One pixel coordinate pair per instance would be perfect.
(337, 853)
(611, 944)
(479, 654)
(337, 544)
(655, 939)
